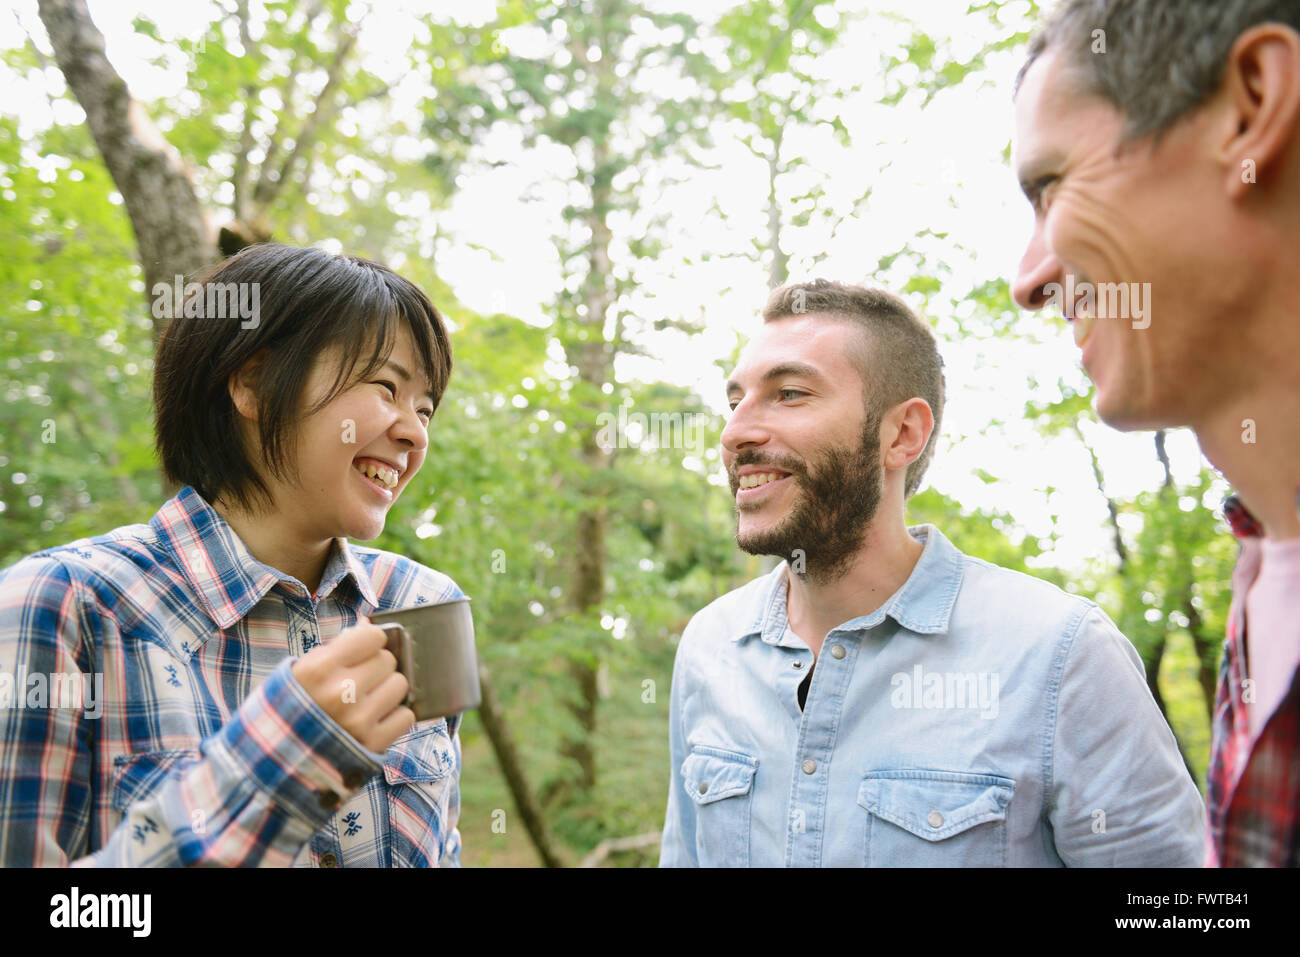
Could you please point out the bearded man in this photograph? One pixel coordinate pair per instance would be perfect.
(962, 714)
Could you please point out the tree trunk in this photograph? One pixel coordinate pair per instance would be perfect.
(507, 755)
(595, 368)
(779, 270)
(1121, 552)
(1206, 653)
(1153, 682)
(171, 230)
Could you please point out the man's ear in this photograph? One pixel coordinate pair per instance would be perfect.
(243, 386)
(1261, 83)
(905, 431)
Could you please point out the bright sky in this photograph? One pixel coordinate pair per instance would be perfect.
(939, 169)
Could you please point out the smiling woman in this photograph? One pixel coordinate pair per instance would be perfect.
(311, 423)
(252, 715)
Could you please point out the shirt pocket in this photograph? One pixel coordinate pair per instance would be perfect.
(923, 818)
(421, 770)
(721, 784)
(421, 756)
(136, 776)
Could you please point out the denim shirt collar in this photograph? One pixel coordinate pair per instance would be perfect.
(226, 578)
(922, 605)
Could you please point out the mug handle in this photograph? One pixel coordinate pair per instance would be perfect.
(399, 643)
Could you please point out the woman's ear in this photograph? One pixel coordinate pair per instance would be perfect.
(243, 386)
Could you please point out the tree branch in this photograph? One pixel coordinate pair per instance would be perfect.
(324, 110)
(170, 227)
(243, 206)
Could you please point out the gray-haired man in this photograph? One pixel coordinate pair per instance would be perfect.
(1159, 143)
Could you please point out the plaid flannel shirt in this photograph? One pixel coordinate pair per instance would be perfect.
(199, 747)
(1252, 793)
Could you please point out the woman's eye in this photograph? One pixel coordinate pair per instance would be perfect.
(389, 386)
(426, 414)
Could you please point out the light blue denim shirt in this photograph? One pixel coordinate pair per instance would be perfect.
(979, 718)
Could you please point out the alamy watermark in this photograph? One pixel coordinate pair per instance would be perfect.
(75, 909)
(946, 690)
(209, 300)
(35, 690)
(666, 430)
(1107, 300)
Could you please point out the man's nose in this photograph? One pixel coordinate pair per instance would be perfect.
(1038, 267)
(744, 429)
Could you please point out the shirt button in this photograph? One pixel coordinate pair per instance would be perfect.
(809, 766)
(328, 800)
(354, 778)
(329, 860)
(934, 819)
(704, 787)
(837, 651)
(797, 665)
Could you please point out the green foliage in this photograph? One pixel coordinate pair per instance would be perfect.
(75, 350)
(496, 505)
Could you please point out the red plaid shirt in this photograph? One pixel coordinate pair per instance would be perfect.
(1252, 793)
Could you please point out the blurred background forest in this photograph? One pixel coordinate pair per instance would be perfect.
(677, 164)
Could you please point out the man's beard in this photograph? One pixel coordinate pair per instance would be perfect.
(837, 497)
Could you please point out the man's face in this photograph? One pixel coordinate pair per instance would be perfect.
(380, 423)
(1146, 215)
(803, 462)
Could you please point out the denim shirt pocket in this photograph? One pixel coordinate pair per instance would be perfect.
(925, 818)
(720, 783)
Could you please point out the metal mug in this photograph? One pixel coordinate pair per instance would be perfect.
(434, 648)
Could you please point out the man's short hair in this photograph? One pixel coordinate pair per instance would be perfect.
(308, 301)
(1162, 59)
(899, 360)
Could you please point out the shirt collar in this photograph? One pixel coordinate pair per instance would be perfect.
(1242, 523)
(923, 604)
(226, 578)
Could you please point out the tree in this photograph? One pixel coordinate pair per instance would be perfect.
(595, 90)
(770, 92)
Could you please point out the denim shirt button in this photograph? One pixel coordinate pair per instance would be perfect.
(704, 787)
(934, 819)
(809, 766)
(837, 651)
(797, 665)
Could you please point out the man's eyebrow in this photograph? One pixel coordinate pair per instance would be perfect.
(401, 371)
(800, 369)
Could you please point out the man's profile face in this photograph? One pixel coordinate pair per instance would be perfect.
(803, 462)
(1143, 216)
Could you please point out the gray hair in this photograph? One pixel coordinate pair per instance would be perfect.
(1162, 59)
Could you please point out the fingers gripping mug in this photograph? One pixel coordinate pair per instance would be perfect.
(434, 648)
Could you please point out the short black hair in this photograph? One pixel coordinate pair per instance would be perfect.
(307, 301)
(901, 360)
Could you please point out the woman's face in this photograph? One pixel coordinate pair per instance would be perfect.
(355, 455)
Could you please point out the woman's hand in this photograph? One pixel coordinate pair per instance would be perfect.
(355, 681)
